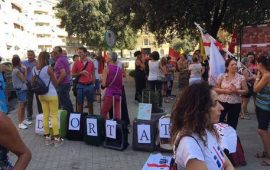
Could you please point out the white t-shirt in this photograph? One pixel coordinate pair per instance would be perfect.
(46, 78)
(154, 70)
(195, 70)
(212, 154)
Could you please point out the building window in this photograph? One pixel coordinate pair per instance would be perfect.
(16, 26)
(15, 7)
(40, 24)
(146, 42)
(43, 35)
(40, 13)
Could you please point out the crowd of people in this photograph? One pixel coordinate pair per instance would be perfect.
(197, 109)
(228, 99)
(200, 106)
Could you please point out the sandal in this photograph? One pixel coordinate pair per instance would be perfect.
(265, 163)
(261, 155)
(246, 117)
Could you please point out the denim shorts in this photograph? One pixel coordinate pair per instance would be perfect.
(263, 117)
(97, 84)
(21, 95)
(85, 91)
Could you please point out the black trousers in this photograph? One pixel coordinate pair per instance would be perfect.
(140, 83)
(30, 98)
(232, 112)
(156, 86)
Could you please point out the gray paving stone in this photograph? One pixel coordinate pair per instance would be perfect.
(74, 155)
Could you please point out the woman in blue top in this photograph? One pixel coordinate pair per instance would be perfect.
(262, 88)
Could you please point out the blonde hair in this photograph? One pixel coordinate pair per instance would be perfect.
(43, 59)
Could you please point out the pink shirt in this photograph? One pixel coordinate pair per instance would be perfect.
(236, 81)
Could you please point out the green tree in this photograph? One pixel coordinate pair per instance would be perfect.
(175, 18)
(187, 44)
(89, 19)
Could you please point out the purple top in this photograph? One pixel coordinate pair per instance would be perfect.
(62, 63)
(116, 87)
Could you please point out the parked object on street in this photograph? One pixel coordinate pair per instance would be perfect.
(62, 119)
(94, 128)
(116, 133)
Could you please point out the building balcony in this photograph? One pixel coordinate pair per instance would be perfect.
(16, 17)
(42, 18)
(44, 7)
(43, 30)
(44, 41)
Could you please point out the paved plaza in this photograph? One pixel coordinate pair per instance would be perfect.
(78, 155)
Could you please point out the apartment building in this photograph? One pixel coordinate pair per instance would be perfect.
(29, 24)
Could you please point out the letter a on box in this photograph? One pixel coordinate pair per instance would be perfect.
(144, 134)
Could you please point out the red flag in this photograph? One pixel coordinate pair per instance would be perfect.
(233, 41)
(106, 56)
(174, 56)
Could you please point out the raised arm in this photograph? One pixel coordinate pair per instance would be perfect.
(11, 140)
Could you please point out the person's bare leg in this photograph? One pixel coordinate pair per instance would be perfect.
(90, 108)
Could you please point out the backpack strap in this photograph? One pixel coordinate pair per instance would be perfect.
(84, 67)
(39, 73)
(177, 141)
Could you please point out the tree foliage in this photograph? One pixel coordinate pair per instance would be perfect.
(187, 43)
(89, 20)
(175, 18)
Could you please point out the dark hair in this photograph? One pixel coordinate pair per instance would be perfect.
(227, 63)
(197, 51)
(154, 55)
(253, 54)
(83, 49)
(137, 53)
(59, 49)
(195, 59)
(265, 61)
(74, 56)
(15, 60)
(191, 113)
(185, 56)
(31, 51)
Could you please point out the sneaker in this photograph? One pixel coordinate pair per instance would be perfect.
(22, 126)
(58, 141)
(27, 122)
(48, 140)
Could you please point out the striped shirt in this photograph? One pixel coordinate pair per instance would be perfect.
(263, 98)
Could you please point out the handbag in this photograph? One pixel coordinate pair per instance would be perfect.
(76, 81)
